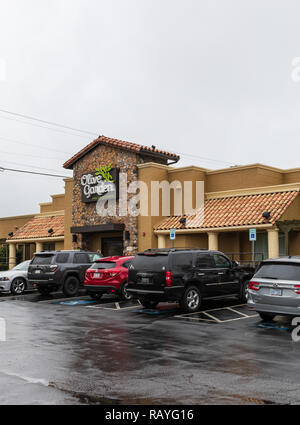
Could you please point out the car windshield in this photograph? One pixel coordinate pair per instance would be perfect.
(103, 265)
(284, 271)
(23, 266)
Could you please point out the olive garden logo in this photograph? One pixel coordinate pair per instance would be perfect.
(100, 184)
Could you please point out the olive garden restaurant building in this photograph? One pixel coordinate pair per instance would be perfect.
(236, 199)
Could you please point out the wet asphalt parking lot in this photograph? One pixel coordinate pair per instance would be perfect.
(75, 351)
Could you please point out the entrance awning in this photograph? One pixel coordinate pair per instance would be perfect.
(110, 227)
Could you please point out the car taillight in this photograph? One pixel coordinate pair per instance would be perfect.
(169, 279)
(53, 269)
(110, 274)
(297, 289)
(253, 286)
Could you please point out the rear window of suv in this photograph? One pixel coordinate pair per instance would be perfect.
(42, 259)
(103, 265)
(284, 271)
(152, 262)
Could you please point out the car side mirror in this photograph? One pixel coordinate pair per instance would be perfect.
(235, 264)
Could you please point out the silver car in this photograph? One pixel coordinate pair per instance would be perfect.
(15, 280)
(275, 288)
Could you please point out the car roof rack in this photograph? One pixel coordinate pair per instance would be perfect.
(154, 250)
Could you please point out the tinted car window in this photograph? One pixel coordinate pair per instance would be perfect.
(221, 262)
(156, 262)
(81, 258)
(284, 271)
(42, 259)
(182, 260)
(103, 265)
(62, 258)
(204, 261)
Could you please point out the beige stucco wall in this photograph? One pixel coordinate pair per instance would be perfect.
(57, 204)
(68, 212)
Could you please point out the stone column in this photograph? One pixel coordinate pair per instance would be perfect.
(213, 241)
(161, 241)
(12, 255)
(273, 243)
(38, 247)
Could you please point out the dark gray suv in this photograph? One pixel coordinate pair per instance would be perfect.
(53, 270)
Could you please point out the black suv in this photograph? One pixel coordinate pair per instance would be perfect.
(52, 270)
(187, 276)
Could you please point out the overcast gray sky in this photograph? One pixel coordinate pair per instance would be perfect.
(207, 78)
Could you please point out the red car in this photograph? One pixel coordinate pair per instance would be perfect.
(108, 275)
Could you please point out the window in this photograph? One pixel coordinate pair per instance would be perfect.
(42, 260)
(127, 264)
(81, 258)
(222, 262)
(48, 246)
(94, 257)
(102, 265)
(182, 260)
(150, 262)
(204, 261)
(62, 258)
(23, 266)
(284, 271)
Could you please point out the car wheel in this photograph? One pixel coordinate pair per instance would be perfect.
(18, 286)
(244, 292)
(44, 291)
(95, 296)
(124, 294)
(71, 286)
(268, 317)
(191, 300)
(149, 304)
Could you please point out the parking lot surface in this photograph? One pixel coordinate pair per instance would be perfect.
(75, 350)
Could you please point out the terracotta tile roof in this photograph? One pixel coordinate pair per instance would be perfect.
(38, 228)
(122, 145)
(235, 211)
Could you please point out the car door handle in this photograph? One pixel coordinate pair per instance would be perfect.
(201, 274)
(221, 273)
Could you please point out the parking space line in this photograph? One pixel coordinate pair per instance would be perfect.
(238, 312)
(212, 317)
(186, 316)
(100, 306)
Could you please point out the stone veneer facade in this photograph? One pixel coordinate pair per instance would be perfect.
(85, 214)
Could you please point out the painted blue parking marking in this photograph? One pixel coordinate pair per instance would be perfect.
(270, 325)
(74, 303)
(156, 312)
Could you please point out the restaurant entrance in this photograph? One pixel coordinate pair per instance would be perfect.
(112, 247)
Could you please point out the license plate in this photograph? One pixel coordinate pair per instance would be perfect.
(277, 292)
(97, 275)
(146, 280)
(37, 272)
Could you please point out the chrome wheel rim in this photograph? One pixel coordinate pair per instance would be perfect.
(246, 294)
(193, 299)
(125, 293)
(19, 286)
